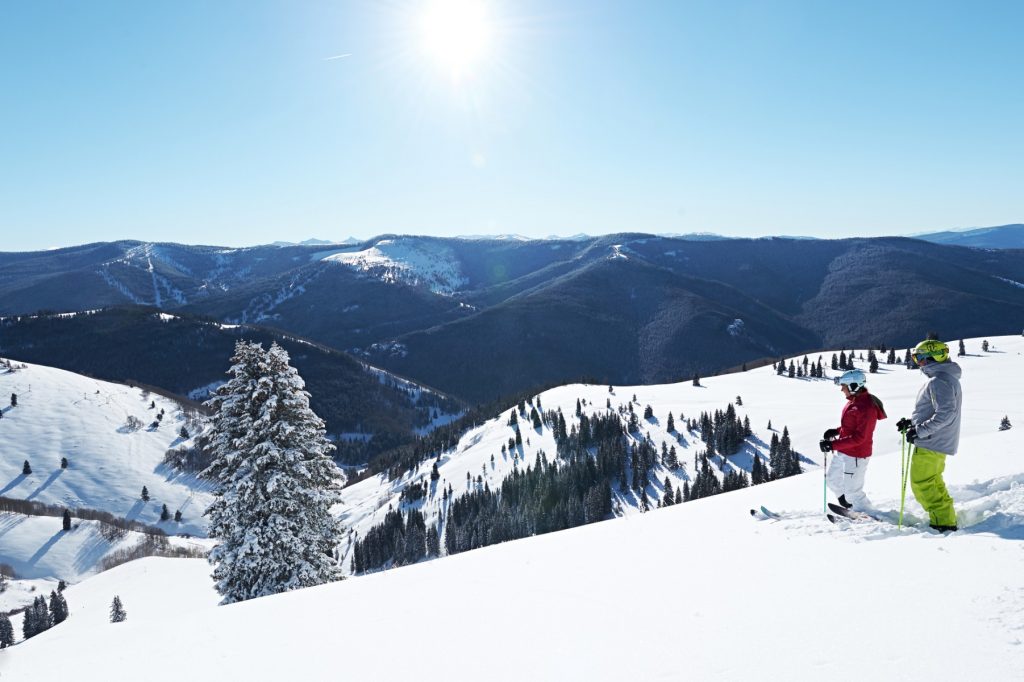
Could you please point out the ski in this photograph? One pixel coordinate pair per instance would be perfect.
(766, 512)
(849, 513)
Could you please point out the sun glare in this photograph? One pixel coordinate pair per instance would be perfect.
(456, 34)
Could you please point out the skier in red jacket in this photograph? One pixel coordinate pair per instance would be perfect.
(852, 441)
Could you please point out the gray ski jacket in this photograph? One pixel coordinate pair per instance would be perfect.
(939, 404)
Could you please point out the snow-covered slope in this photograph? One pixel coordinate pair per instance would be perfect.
(805, 406)
(412, 261)
(62, 414)
(699, 591)
(42, 553)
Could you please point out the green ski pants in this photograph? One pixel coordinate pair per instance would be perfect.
(930, 490)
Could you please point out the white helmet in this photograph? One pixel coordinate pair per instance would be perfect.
(854, 379)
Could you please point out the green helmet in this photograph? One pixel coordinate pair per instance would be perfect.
(933, 349)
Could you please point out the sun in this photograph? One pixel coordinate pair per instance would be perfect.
(456, 34)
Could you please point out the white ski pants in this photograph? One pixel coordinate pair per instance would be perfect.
(846, 477)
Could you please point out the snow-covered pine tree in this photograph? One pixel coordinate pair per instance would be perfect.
(66, 521)
(117, 612)
(1005, 425)
(277, 483)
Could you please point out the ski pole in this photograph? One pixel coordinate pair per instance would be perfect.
(824, 482)
(905, 453)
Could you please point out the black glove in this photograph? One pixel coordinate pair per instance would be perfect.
(910, 434)
(904, 424)
(825, 445)
(831, 434)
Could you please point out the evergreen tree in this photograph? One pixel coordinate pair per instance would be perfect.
(1004, 425)
(781, 368)
(669, 498)
(165, 513)
(891, 358)
(679, 496)
(14, 400)
(145, 494)
(756, 471)
(26, 468)
(433, 542)
(277, 483)
(29, 628)
(58, 608)
(117, 612)
(984, 345)
(835, 362)
(63, 462)
(6, 631)
(962, 351)
(792, 369)
(67, 520)
(842, 360)
(671, 423)
(873, 364)
(177, 516)
(183, 433)
(696, 379)
(739, 401)
(43, 618)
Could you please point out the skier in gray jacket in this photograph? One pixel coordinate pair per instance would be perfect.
(934, 429)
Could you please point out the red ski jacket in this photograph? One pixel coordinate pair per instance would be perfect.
(860, 414)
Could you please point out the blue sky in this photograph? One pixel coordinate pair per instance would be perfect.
(228, 123)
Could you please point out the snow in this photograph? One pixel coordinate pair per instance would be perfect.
(62, 414)
(1010, 281)
(696, 591)
(409, 261)
(806, 406)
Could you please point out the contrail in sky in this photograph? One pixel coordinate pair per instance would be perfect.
(338, 56)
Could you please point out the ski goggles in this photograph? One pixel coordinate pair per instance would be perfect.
(921, 358)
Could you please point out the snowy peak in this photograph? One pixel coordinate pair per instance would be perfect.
(417, 262)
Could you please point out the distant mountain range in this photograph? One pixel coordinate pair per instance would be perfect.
(1002, 237)
(483, 318)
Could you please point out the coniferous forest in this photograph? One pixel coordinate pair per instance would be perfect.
(599, 463)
